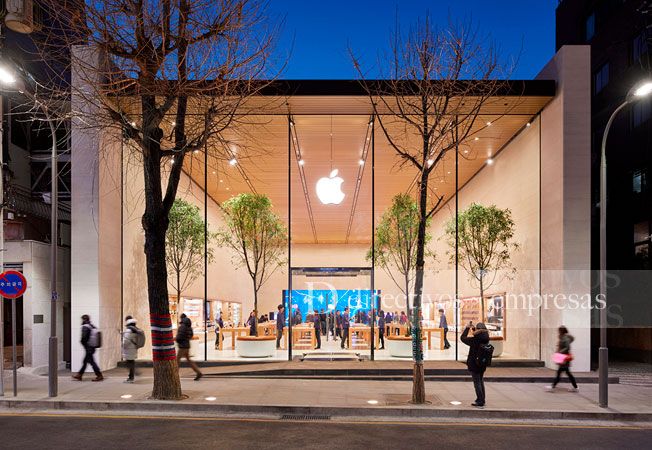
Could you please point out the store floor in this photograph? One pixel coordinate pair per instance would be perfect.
(329, 349)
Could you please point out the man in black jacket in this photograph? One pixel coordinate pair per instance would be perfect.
(87, 330)
(184, 335)
(474, 337)
(280, 324)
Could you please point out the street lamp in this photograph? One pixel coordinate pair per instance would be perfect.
(638, 92)
(8, 79)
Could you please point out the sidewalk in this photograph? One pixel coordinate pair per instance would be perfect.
(337, 398)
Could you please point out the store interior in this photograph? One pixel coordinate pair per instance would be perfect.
(327, 265)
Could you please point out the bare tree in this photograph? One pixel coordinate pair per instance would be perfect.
(173, 77)
(427, 104)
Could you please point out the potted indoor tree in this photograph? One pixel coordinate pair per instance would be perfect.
(258, 239)
(485, 237)
(184, 246)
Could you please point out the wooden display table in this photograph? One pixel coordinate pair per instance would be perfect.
(392, 328)
(428, 331)
(303, 333)
(267, 329)
(235, 331)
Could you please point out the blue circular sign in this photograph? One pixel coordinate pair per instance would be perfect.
(12, 284)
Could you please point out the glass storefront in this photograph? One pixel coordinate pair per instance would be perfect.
(330, 178)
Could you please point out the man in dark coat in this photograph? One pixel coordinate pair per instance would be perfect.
(87, 330)
(474, 337)
(443, 324)
(345, 327)
(316, 320)
(184, 335)
(381, 329)
(280, 324)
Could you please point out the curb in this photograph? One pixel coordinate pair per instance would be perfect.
(413, 412)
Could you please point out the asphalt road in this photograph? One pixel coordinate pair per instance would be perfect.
(106, 432)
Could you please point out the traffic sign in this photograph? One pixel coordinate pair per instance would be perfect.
(12, 284)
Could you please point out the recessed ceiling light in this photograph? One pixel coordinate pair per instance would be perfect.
(430, 162)
(476, 138)
(228, 188)
(133, 124)
(126, 396)
(456, 403)
(528, 124)
(449, 172)
(172, 161)
(361, 162)
(221, 181)
(196, 151)
(174, 124)
(301, 162)
(490, 161)
(214, 172)
(211, 398)
(488, 124)
(466, 151)
(372, 402)
(233, 162)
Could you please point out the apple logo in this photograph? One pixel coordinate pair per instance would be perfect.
(329, 190)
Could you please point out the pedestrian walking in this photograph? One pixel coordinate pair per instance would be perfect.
(280, 324)
(476, 337)
(184, 335)
(91, 340)
(133, 338)
(443, 324)
(563, 358)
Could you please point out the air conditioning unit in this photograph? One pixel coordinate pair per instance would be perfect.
(20, 16)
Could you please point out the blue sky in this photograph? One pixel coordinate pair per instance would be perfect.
(316, 34)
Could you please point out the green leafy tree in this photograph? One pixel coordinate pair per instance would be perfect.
(396, 243)
(257, 236)
(485, 237)
(184, 245)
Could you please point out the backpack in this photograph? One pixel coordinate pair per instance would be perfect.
(485, 353)
(140, 338)
(95, 337)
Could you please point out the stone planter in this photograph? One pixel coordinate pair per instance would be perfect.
(497, 342)
(255, 346)
(399, 346)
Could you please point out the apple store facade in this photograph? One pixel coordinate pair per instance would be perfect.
(322, 157)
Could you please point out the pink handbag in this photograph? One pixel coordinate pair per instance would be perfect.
(561, 358)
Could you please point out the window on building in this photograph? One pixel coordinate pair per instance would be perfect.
(639, 46)
(639, 181)
(589, 27)
(641, 112)
(601, 77)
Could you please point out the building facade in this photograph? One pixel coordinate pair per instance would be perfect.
(618, 33)
(529, 153)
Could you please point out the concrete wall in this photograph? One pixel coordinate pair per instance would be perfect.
(35, 258)
(566, 201)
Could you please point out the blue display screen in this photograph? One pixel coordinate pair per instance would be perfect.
(306, 301)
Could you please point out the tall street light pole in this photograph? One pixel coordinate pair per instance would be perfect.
(8, 79)
(638, 92)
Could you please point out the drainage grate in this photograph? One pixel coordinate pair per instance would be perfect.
(304, 417)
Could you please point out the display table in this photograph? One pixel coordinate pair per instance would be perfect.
(399, 346)
(235, 332)
(255, 346)
(303, 337)
(428, 332)
(267, 329)
(395, 329)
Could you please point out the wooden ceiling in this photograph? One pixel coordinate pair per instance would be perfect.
(261, 147)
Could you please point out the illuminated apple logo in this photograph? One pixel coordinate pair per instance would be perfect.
(329, 190)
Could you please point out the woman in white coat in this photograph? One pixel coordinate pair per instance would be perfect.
(130, 346)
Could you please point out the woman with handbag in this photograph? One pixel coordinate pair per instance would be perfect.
(563, 358)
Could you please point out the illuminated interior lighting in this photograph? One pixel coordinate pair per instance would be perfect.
(528, 124)
(301, 162)
(372, 402)
(488, 124)
(211, 398)
(476, 138)
(233, 162)
(126, 396)
(490, 161)
(361, 162)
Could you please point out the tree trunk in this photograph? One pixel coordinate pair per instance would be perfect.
(167, 385)
(407, 296)
(255, 311)
(482, 312)
(418, 381)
